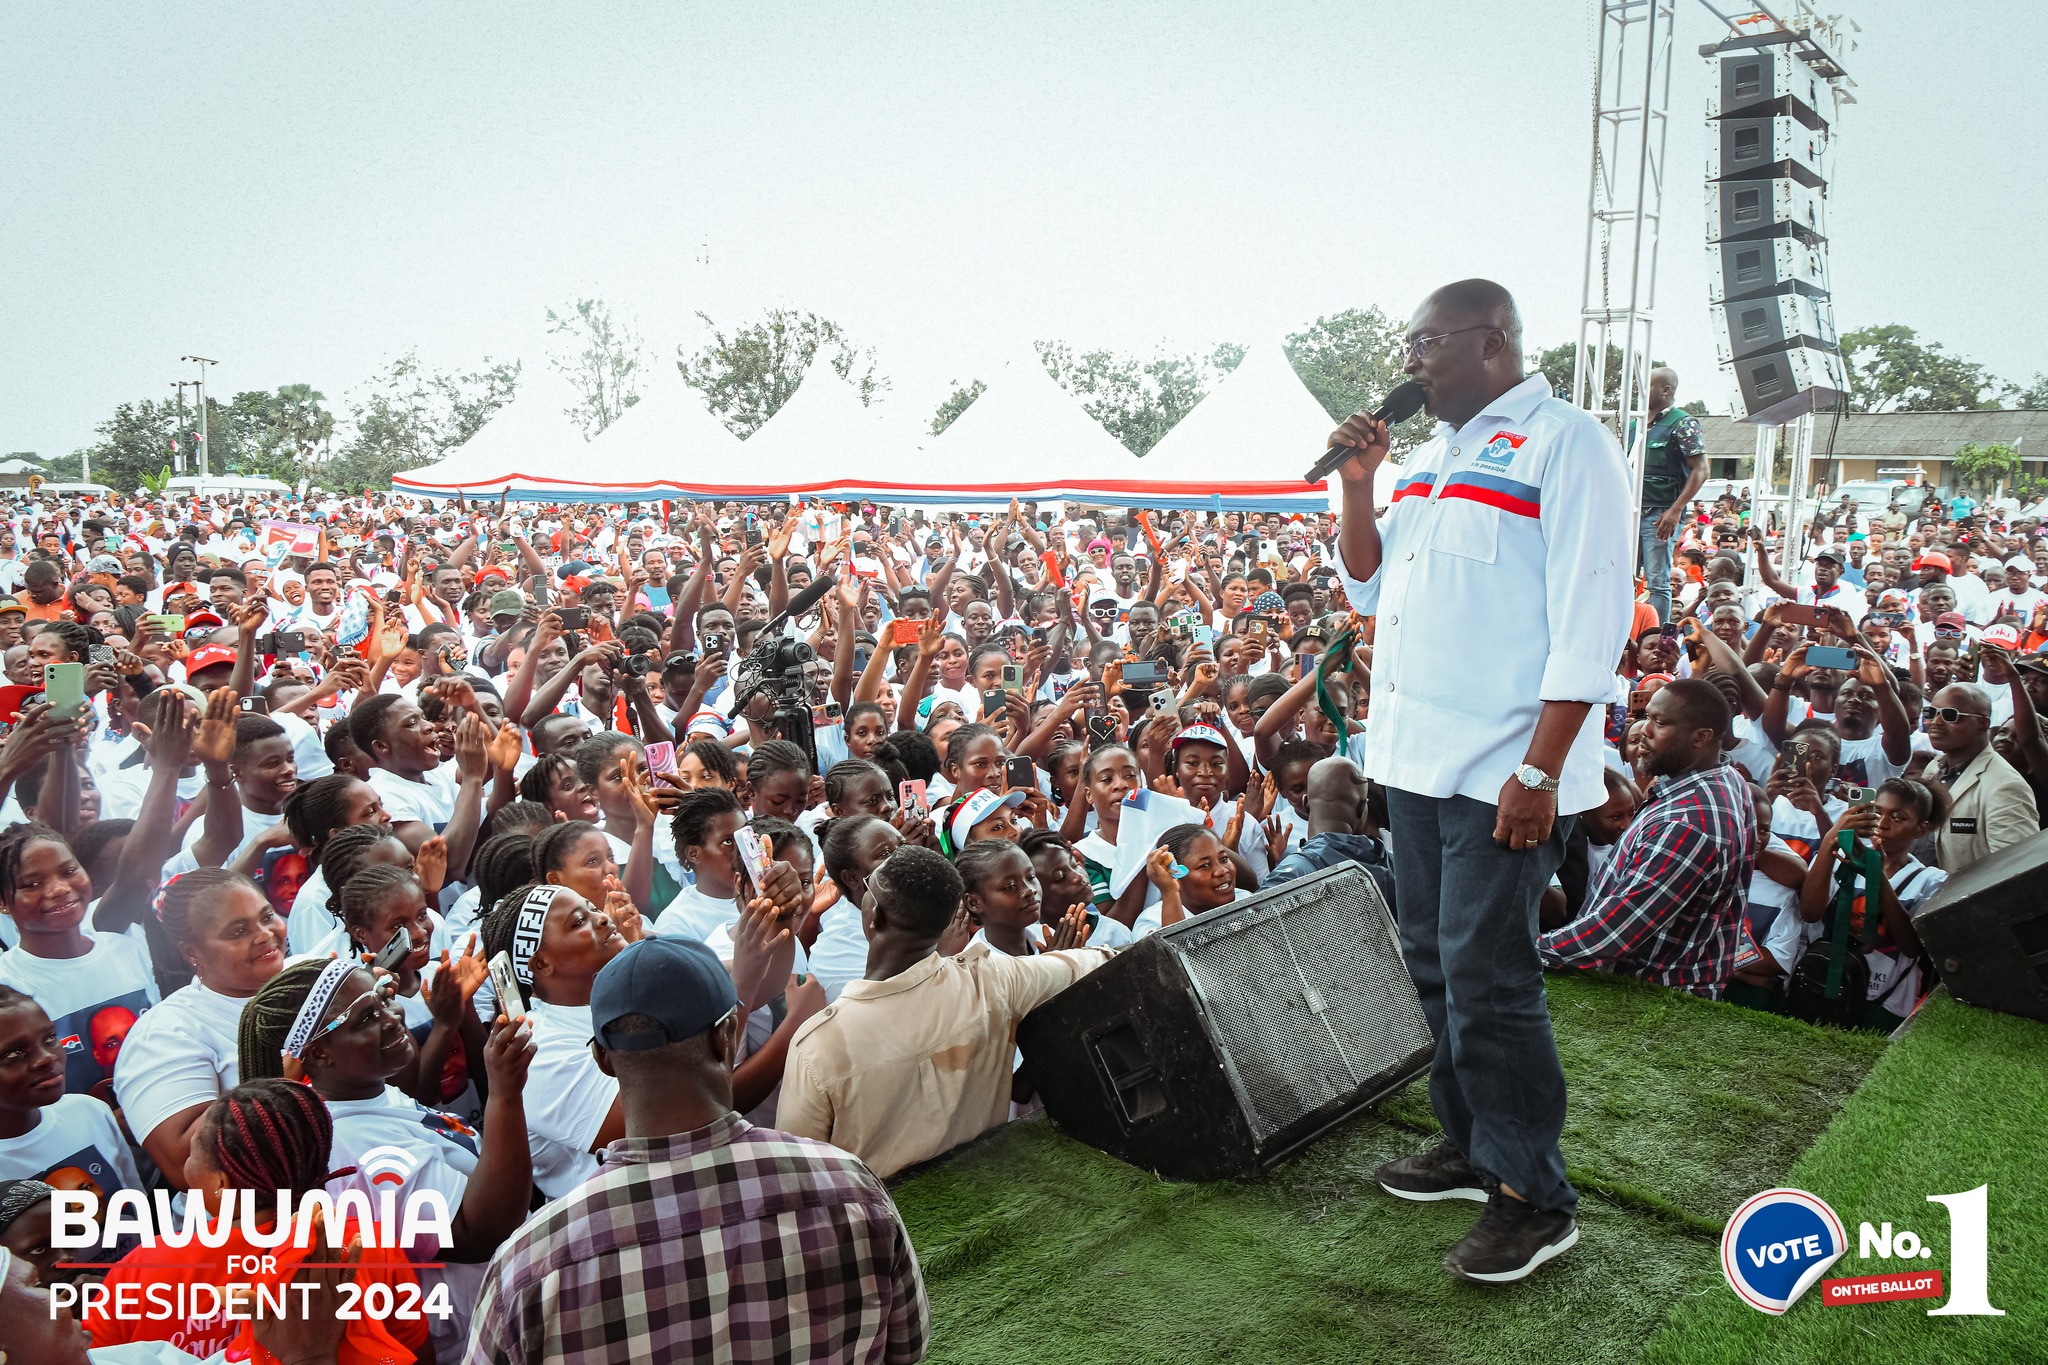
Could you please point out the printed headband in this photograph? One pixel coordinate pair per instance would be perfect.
(533, 917)
(308, 1018)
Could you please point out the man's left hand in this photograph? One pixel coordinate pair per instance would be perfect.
(1525, 816)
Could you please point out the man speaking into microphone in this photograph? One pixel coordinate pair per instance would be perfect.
(1501, 579)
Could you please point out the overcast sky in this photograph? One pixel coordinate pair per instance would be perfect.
(305, 192)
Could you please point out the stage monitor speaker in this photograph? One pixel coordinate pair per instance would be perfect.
(1769, 80)
(1739, 209)
(1774, 322)
(1987, 930)
(1219, 1045)
(1778, 386)
(1768, 265)
(1764, 149)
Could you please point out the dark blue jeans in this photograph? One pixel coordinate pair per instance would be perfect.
(1468, 930)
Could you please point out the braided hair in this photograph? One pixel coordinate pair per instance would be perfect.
(502, 862)
(715, 759)
(553, 844)
(367, 891)
(593, 754)
(495, 928)
(316, 810)
(691, 820)
(541, 776)
(271, 1136)
(347, 853)
(520, 817)
(14, 842)
(183, 895)
(267, 1018)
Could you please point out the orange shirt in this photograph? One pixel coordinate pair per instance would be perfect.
(146, 1316)
(53, 612)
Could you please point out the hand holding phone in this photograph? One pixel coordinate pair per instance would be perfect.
(910, 797)
(504, 985)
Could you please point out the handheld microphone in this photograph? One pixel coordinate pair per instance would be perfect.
(1404, 402)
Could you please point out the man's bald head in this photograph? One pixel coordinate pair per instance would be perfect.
(1665, 372)
(1336, 797)
(1477, 303)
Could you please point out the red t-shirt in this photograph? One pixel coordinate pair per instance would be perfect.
(396, 1341)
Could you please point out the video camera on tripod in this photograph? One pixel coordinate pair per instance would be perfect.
(776, 666)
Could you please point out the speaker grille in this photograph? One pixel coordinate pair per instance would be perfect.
(1307, 997)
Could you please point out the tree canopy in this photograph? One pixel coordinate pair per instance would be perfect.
(750, 372)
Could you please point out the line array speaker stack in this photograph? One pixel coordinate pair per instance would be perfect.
(1774, 320)
(1216, 1047)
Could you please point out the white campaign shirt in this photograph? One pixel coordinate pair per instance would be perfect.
(94, 1000)
(692, 914)
(1517, 520)
(309, 922)
(567, 1098)
(78, 1133)
(443, 1147)
(182, 1053)
(431, 802)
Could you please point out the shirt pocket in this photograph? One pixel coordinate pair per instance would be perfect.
(1467, 529)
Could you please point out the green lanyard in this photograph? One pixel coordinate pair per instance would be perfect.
(1869, 864)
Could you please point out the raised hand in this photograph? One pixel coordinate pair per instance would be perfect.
(505, 748)
(1071, 932)
(958, 934)
(430, 865)
(215, 742)
(472, 747)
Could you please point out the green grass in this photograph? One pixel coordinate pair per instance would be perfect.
(1038, 1248)
(1961, 1100)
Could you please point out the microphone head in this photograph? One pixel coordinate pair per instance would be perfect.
(1404, 402)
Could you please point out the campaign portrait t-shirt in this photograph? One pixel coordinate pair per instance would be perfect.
(76, 1145)
(95, 1001)
(183, 1052)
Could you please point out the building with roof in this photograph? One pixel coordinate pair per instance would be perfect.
(1874, 445)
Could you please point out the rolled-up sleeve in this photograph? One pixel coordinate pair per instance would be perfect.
(1589, 591)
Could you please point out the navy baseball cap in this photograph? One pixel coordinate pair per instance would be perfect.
(677, 982)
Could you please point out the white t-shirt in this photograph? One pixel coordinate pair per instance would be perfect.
(567, 1098)
(255, 824)
(1864, 763)
(182, 1053)
(839, 953)
(431, 802)
(78, 1133)
(443, 1147)
(95, 1001)
(309, 923)
(1894, 977)
(692, 914)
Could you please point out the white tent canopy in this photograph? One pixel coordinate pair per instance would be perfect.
(823, 433)
(1260, 422)
(521, 442)
(669, 437)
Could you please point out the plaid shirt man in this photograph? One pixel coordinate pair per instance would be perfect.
(1668, 904)
(731, 1242)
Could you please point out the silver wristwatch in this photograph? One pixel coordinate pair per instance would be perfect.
(1535, 779)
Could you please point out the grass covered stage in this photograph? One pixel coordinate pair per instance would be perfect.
(1039, 1249)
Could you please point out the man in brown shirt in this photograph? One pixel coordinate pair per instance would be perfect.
(916, 1058)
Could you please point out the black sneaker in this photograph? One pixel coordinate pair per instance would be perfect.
(1511, 1239)
(1439, 1173)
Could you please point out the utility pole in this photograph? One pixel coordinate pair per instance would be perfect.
(202, 362)
(178, 451)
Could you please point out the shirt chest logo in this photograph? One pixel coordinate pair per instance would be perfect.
(1499, 452)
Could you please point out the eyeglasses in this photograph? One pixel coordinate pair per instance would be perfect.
(1422, 346)
(1950, 714)
(383, 1001)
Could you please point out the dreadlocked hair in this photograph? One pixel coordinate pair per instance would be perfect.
(369, 890)
(271, 1136)
(346, 854)
(552, 844)
(534, 786)
(14, 842)
(691, 820)
(267, 1018)
(502, 862)
(316, 809)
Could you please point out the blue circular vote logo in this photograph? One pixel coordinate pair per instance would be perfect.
(1778, 1244)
